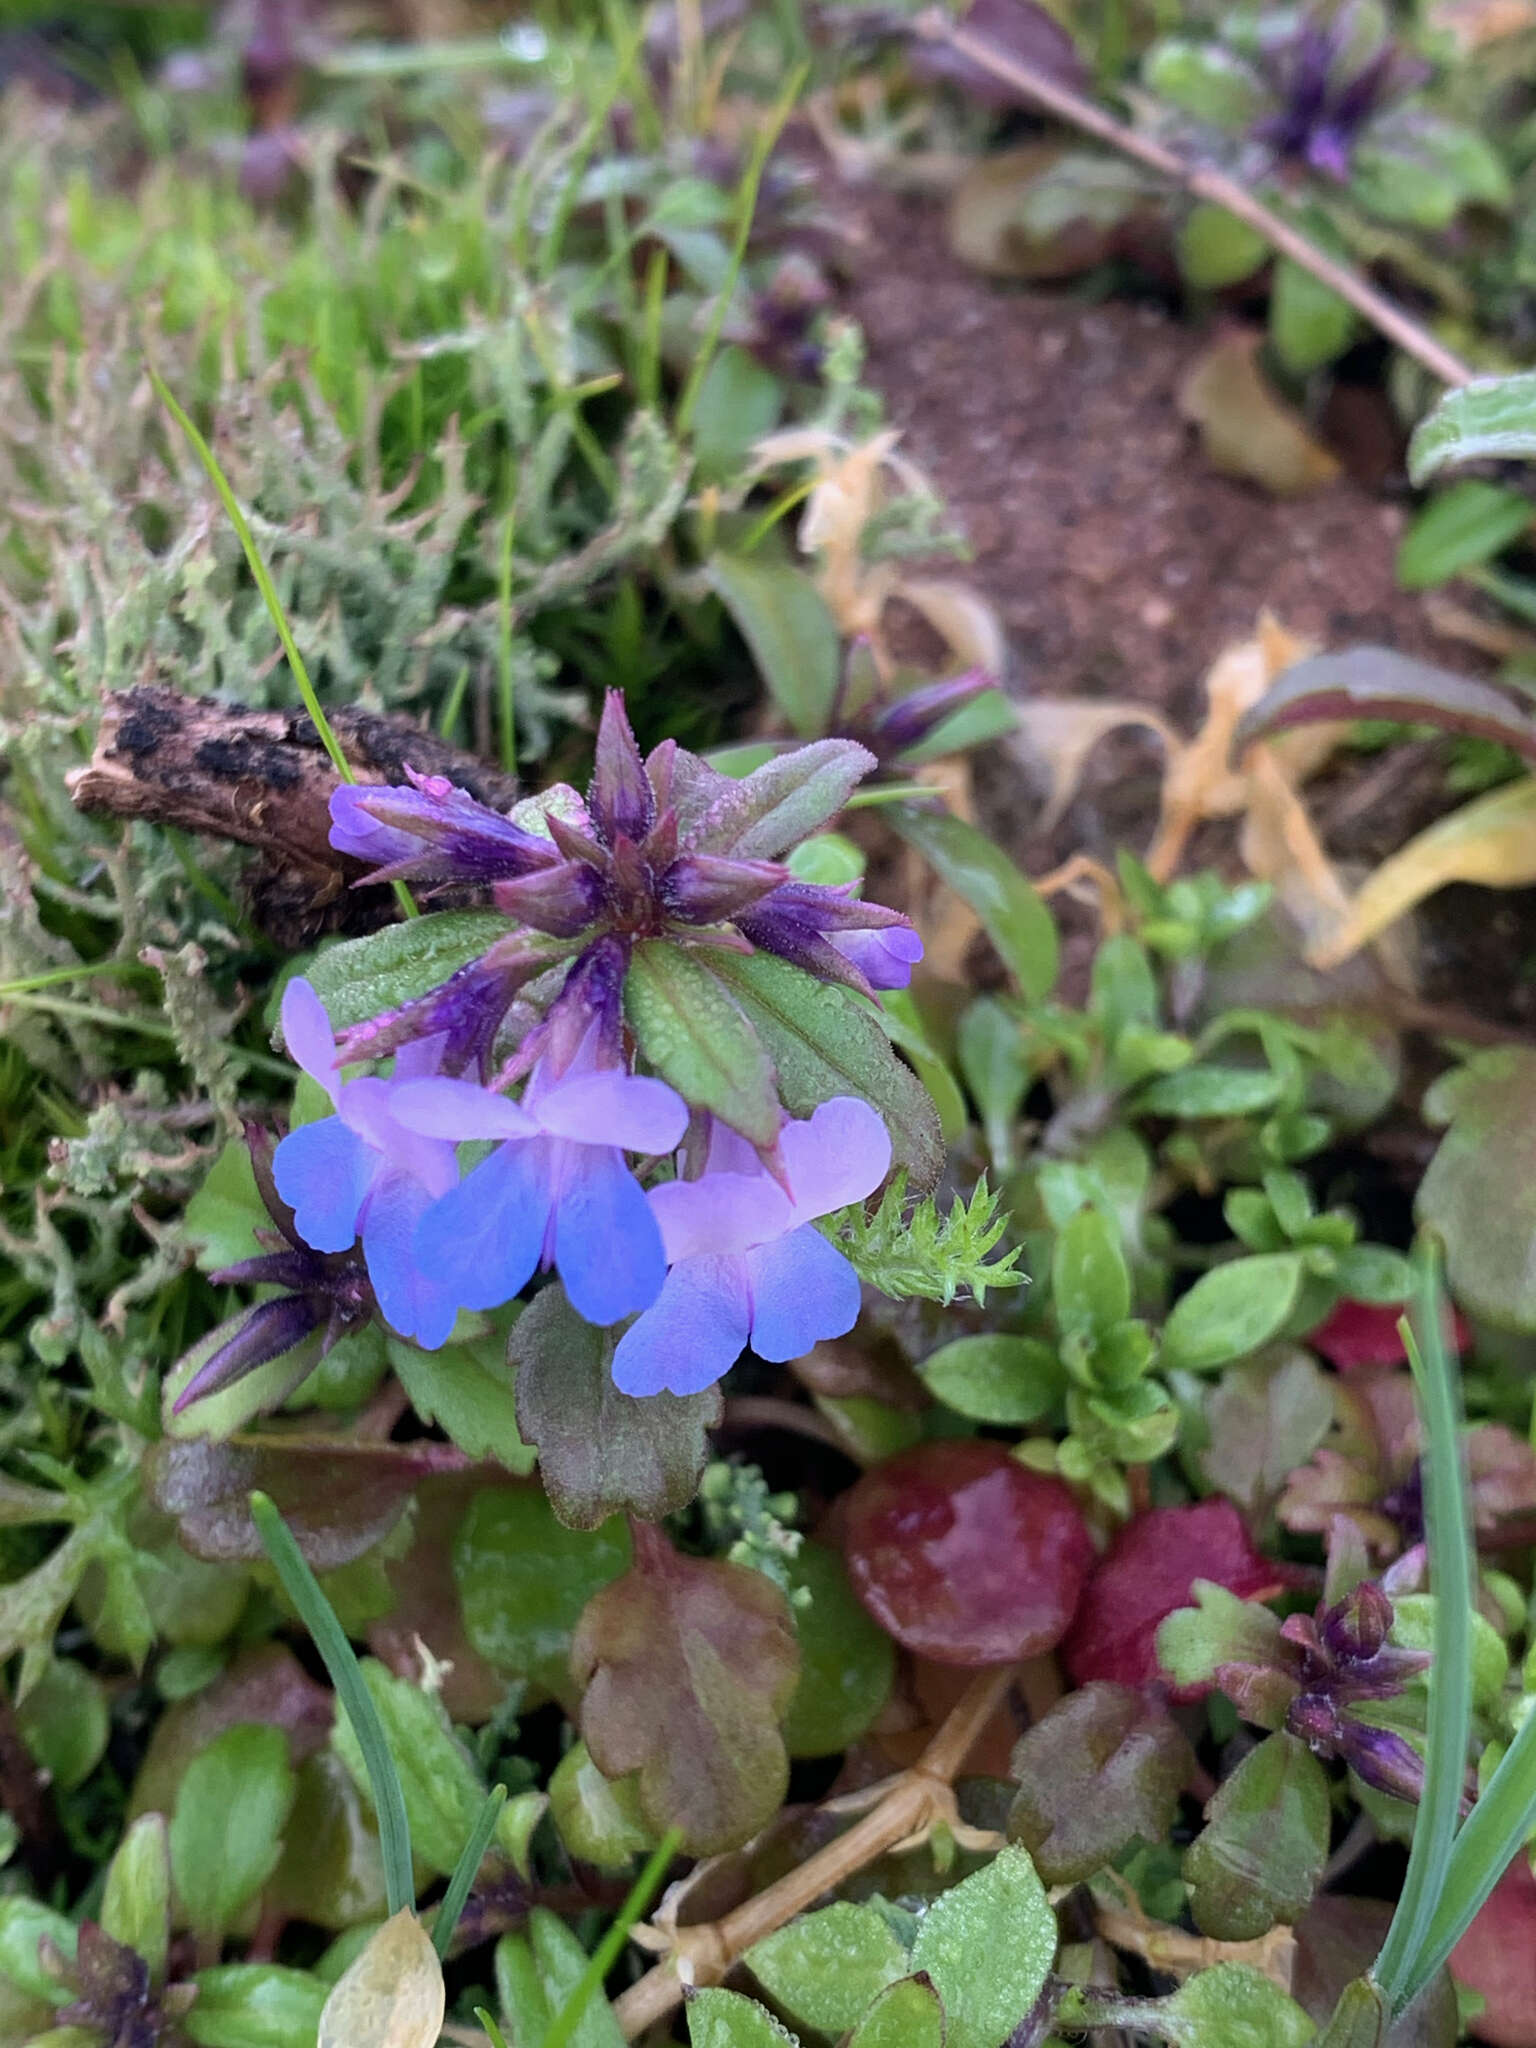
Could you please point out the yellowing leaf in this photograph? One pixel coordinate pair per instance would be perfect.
(1246, 429)
(1280, 846)
(392, 1994)
(1491, 840)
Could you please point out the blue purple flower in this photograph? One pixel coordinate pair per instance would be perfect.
(745, 1261)
(362, 1173)
(556, 1190)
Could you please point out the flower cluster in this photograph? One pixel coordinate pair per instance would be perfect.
(645, 1205)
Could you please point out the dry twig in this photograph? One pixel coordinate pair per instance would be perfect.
(911, 1806)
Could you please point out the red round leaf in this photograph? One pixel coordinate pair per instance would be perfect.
(964, 1555)
(1148, 1571)
(1359, 1333)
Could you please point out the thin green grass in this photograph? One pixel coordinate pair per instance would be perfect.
(1449, 1531)
(319, 1617)
(270, 598)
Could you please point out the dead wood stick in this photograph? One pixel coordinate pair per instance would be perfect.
(1206, 183)
(914, 1802)
(263, 779)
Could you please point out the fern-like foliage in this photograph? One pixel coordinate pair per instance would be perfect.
(906, 1248)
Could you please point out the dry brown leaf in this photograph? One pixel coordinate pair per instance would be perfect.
(1246, 428)
(391, 1995)
(1202, 781)
(852, 484)
(962, 618)
(1062, 732)
(1280, 846)
(1043, 211)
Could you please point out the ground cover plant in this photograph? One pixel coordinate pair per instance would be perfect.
(649, 1394)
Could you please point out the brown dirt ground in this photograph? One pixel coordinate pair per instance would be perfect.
(1121, 564)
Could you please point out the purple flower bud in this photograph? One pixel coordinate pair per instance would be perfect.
(271, 1328)
(706, 888)
(911, 719)
(464, 1013)
(432, 833)
(806, 923)
(1355, 1630)
(620, 798)
(561, 900)
(1385, 1760)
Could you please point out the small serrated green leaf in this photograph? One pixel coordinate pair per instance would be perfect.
(988, 1945)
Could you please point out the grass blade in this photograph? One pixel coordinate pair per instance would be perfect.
(1448, 1526)
(508, 676)
(746, 209)
(1499, 1823)
(608, 1950)
(319, 1617)
(269, 596)
(466, 1869)
(493, 2033)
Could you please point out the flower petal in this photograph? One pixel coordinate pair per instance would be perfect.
(485, 1236)
(368, 1107)
(630, 1110)
(721, 1214)
(838, 1155)
(459, 1109)
(323, 1172)
(412, 1292)
(803, 1290)
(308, 1036)
(607, 1243)
(694, 1331)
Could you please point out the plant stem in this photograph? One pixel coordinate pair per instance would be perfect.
(909, 1806)
(504, 647)
(1206, 183)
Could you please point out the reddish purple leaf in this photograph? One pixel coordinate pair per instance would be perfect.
(686, 1666)
(1149, 1570)
(1375, 682)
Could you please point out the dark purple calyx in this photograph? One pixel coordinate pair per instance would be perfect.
(1342, 1659)
(326, 1291)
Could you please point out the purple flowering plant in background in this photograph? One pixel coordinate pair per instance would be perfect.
(505, 1129)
